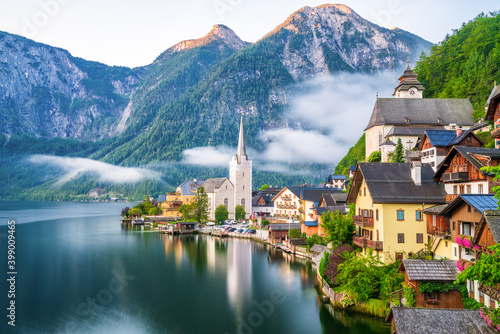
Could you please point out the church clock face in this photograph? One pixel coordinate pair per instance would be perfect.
(413, 91)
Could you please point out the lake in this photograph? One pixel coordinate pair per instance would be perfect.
(80, 270)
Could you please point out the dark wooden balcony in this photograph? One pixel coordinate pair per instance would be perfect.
(495, 133)
(456, 177)
(376, 245)
(363, 221)
(359, 241)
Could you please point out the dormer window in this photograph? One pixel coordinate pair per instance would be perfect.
(439, 120)
(407, 120)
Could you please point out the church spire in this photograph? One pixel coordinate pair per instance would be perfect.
(242, 152)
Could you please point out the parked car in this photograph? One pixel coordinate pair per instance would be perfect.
(232, 229)
(252, 231)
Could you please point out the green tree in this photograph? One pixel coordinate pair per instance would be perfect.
(186, 211)
(200, 205)
(398, 154)
(294, 233)
(265, 222)
(315, 240)
(375, 156)
(153, 211)
(239, 212)
(264, 187)
(339, 227)
(355, 154)
(359, 276)
(486, 270)
(221, 213)
(135, 212)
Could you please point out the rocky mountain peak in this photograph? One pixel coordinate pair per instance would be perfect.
(218, 32)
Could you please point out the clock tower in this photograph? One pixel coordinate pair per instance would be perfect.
(409, 86)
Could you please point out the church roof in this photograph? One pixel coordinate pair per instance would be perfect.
(212, 184)
(408, 80)
(428, 112)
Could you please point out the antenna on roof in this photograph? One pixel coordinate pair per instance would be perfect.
(377, 95)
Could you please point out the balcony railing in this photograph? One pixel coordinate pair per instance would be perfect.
(363, 221)
(457, 176)
(359, 241)
(376, 245)
(450, 198)
(366, 243)
(439, 231)
(495, 133)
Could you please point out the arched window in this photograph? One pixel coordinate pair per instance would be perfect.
(380, 138)
(243, 202)
(376, 216)
(226, 202)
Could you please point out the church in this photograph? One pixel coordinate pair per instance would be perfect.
(235, 190)
(409, 114)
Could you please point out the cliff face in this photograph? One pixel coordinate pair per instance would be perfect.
(333, 38)
(45, 92)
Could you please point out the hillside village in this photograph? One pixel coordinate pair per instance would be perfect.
(429, 210)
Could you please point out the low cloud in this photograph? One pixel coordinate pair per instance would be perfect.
(77, 167)
(208, 156)
(323, 120)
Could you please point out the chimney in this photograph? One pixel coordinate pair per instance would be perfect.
(459, 131)
(416, 173)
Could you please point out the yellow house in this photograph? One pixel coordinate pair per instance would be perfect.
(390, 198)
(185, 194)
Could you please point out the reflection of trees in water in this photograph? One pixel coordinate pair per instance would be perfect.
(340, 321)
(196, 250)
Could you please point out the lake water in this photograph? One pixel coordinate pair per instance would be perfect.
(79, 270)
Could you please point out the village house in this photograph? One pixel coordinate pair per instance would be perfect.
(435, 144)
(278, 232)
(330, 202)
(461, 171)
(438, 232)
(310, 199)
(493, 113)
(408, 115)
(432, 271)
(184, 194)
(464, 214)
(336, 181)
(487, 234)
(390, 198)
(287, 205)
(262, 206)
(411, 320)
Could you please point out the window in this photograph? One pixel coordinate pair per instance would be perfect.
(243, 187)
(401, 215)
(226, 202)
(466, 228)
(243, 202)
(455, 251)
(462, 189)
(418, 215)
(376, 214)
(401, 238)
(468, 189)
(454, 226)
(364, 191)
(480, 189)
(431, 296)
(434, 220)
(446, 244)
(455, 189)
(380, 137)
(468, 208)
(187, 200)
(420, 238)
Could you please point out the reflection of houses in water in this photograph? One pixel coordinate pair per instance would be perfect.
(239, 275)
(288, 263)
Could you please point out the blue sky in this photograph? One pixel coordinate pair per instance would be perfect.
(133, 33)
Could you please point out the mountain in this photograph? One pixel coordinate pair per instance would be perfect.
(190, 96)
(45, 92)
(258, 80)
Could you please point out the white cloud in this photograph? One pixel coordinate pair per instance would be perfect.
(76, 167)
(208, 156)
(324, 119)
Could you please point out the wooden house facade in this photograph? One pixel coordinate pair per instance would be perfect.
(436, 271)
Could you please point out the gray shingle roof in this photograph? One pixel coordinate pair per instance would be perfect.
(314, 195)
(434, 112)
(318, 248)
(431, 270)
(190, 187)
(442, 321)
(493, 219)
(392, 183)
(211, 184)
(283, 226)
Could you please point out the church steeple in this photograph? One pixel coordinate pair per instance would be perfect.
(242, 152)
(409, 86)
